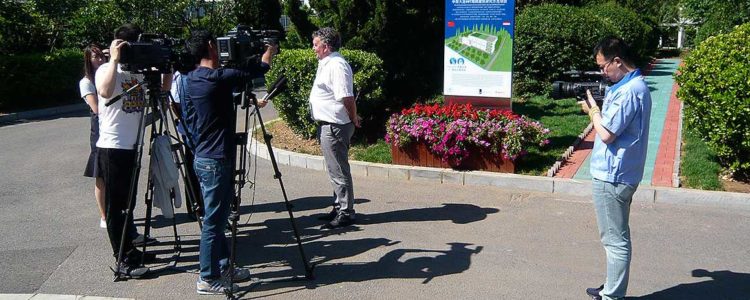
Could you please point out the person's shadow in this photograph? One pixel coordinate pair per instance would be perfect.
(458, 213)
(422, 264)
(722, 285)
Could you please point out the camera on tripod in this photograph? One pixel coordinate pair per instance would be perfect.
(156, 53)
(243, 42)
(577, 84)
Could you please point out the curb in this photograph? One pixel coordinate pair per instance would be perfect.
(54, 297)
(41, 113)
(553, 185)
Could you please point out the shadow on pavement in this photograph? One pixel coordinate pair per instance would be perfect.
(22, 120)
(270, 248)
(723, 285)
(425, 264)
(458, 213)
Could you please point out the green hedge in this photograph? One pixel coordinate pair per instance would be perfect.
(299, 67)
(715, 87)
(641, 37)
(552, 38)
(40, 80)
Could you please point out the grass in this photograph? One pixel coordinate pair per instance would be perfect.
(699, 166)
(562, 117)
(380, 152)
(565, 122)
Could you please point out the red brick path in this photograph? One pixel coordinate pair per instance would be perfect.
(572, 164)
(665, 156)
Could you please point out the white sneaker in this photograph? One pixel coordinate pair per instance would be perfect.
(102, 223)
(214, 287)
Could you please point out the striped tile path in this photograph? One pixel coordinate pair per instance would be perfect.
(665, 116)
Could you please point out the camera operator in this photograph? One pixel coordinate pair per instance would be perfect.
(618, 158)
(118, 131)
(211, 125)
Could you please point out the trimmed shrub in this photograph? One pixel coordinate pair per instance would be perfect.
(715, 88)
(40, 80)
(299, 67)
(551, 39)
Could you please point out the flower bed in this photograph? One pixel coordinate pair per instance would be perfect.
(455, 132)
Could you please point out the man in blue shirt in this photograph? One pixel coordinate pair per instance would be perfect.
(208, 107)
(618, 158)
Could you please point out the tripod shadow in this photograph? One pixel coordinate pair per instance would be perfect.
(318, 252)
(722, 285)
(308, 226)
(160, 221)
(425, 264)
(299, 204)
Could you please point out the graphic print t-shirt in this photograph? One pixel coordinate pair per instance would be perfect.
(118, 123)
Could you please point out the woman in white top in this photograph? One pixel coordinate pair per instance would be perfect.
(93, 57)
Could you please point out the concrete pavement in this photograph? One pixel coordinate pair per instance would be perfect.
(414, 239)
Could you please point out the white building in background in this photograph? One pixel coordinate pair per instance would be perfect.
(481, 41)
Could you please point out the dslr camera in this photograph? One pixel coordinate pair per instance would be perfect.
(577, 84)
(243, 43)
(156, 53)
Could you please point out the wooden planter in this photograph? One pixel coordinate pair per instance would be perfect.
(417, 154)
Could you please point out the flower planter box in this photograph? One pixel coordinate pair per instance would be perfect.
(417, 154)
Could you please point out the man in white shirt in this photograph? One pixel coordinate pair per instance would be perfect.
(334, 109)
(118, 131)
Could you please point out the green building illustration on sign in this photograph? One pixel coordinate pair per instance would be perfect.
(485, 45)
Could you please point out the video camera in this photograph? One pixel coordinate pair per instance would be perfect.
(243, 42)
(579, 82)
(156, 52)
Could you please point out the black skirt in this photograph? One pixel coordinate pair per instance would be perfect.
(92, 166)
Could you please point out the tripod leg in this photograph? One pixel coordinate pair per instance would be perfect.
(149, 199)
(277, 174)
(132, 191)
(177, 246)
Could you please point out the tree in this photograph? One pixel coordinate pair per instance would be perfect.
(93, 23)
(22, 29)
(298, 14)
(716, 16)
(259, 14)
(407, 35)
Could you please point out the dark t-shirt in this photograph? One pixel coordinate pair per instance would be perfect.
(211, 118)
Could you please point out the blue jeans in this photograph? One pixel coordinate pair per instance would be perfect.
(612, 204)
(215, 176)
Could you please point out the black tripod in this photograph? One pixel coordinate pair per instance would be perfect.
(155, 106)
(242, 139)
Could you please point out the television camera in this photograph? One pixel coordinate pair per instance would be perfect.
(156, 53)
(243, 43)
(577, 84)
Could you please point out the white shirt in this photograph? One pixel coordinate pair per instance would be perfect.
(333, 82)
(86, 87)
(175, 88)
(118, 123)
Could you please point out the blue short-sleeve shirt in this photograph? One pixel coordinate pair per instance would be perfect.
(626, 113)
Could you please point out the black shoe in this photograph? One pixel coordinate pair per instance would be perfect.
(329, 216)
(127, 271)
(135, 256)
(341, 220)
(138, 241)
(594, 292)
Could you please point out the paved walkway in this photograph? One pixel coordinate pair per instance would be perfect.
(416, 237)
(663, 139)
(422, 233)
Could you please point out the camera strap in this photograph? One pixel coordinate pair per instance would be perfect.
(187, 109)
